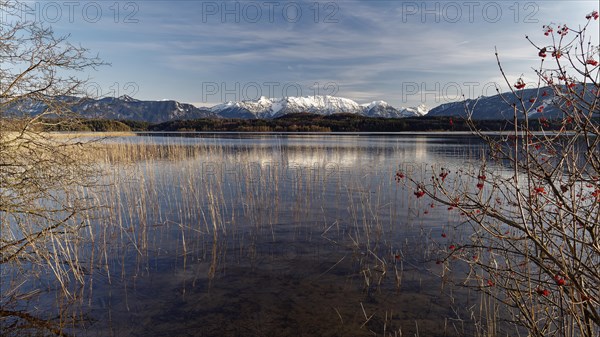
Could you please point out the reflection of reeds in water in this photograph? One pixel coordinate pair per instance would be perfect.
(236, 196)
(207, 203)
(193, 215)
(208, 191)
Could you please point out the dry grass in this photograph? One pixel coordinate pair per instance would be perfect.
(209, 207)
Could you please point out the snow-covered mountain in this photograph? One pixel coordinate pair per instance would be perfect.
(540, 102)
(421, 110)
(323, 105)
(126, 107)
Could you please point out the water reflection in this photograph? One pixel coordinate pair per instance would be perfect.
(363, 152)
(260, 235)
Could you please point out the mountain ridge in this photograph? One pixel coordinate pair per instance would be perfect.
(540, 103)
(115, 108)
(268, 108)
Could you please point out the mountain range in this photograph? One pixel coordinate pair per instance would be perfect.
(266, 108)
(118, 108)
(540, 102)
(128, 108)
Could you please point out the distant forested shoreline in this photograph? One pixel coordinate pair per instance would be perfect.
(299, 122)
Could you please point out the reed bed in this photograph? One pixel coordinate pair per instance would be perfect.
(192, 214)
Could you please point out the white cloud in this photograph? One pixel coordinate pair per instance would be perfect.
(369, 54)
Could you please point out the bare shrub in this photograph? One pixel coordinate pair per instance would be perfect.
(534, 224)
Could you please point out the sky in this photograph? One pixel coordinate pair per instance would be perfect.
(404, 52)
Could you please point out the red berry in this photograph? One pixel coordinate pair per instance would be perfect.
(419, 193)
(520, 84)
(399, 176)
(542, 292)
(591, 15)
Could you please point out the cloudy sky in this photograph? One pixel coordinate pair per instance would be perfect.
(406, 53)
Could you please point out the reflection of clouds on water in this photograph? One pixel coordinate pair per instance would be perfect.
(348, 157)
(301, 156)
(343, 150)
(247, 156)
(421, 149)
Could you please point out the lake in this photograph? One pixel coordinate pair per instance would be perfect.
(232, 234)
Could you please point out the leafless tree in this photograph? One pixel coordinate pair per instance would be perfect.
(42, 176)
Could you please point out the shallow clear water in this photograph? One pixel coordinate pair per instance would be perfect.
(274, 235)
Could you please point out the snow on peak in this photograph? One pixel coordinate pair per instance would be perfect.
(320, 104)
(375, 104)
(127, 98)
(422, 109)
(265, 107)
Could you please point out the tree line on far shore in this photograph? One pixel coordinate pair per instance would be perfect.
(299, 122)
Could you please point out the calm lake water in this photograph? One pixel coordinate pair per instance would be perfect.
(273, 235)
